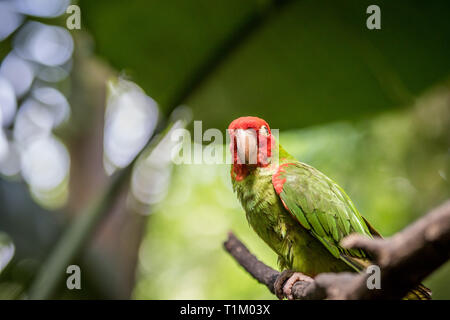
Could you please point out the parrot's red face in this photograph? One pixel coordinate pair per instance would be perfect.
(251, 144)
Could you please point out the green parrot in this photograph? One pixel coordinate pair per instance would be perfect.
(296, 209)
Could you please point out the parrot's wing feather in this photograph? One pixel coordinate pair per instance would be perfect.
(372, 230)
(323, 208)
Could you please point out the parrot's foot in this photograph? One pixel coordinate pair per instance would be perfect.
(286, 280)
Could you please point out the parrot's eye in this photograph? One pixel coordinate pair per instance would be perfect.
(264, 130)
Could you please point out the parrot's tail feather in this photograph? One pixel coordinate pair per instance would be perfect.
(357, 264)
(419, 293)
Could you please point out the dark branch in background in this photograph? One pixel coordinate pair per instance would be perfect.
(80, 230)
(405, 259)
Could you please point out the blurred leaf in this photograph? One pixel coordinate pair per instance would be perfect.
(6, 250)
(314, 62)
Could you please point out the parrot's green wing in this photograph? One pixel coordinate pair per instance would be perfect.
(323, 208)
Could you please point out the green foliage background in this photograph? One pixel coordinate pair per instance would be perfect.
(314, 59)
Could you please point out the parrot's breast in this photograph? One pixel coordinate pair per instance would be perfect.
(262, 206)
(296, 248)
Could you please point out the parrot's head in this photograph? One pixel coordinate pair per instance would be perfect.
(251, 143)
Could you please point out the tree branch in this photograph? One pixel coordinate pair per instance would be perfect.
(404, 259)
(261, 272)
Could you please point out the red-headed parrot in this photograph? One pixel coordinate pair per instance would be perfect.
(296, 209)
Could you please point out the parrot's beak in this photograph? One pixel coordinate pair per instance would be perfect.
(247, 146)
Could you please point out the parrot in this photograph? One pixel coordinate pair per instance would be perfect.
(298, 211)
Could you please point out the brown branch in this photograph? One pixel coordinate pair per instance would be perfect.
(405, 259)
(261, 272)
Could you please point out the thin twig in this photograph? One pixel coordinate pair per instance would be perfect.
(261, 272)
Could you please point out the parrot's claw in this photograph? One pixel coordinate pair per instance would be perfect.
(286, 280)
